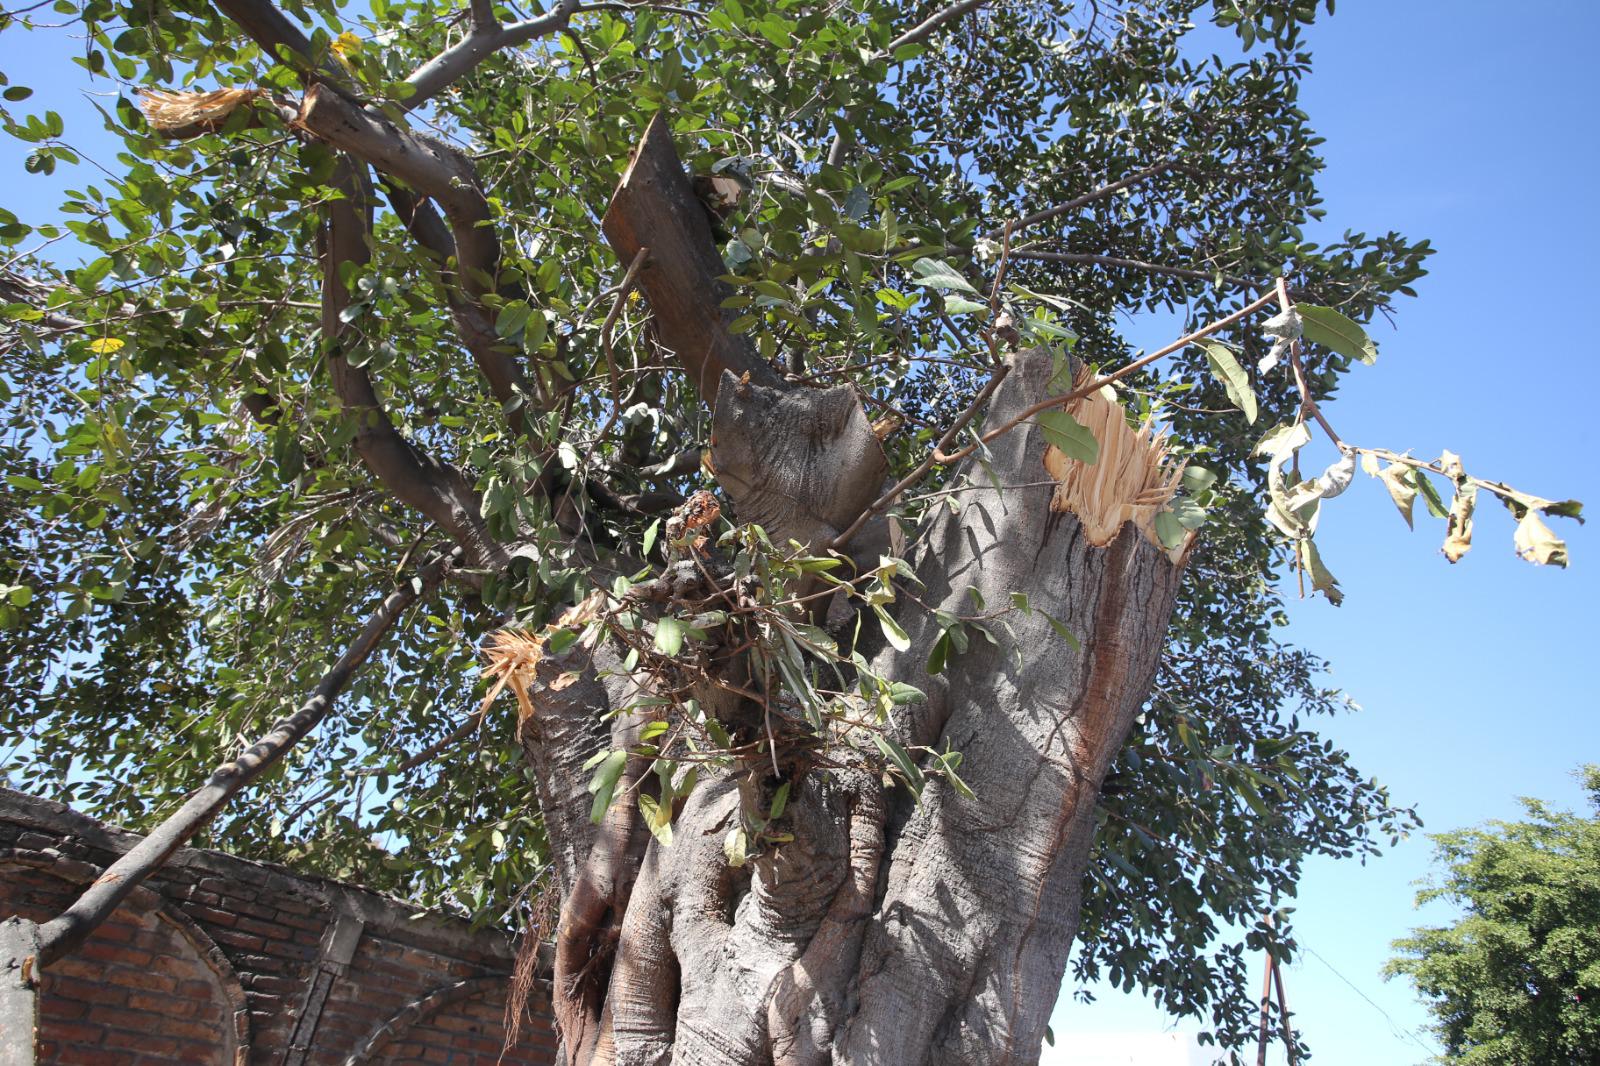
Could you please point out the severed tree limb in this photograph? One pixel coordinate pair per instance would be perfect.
(67, 931)
(655, 207)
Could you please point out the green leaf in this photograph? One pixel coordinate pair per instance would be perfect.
(669, 635)
(1233, 377)
(604, 783)
(1069, 435)
(901, 694)
(1169, 530)
(1062, 631)
(902, 761)
(657, 818)
(1329, 328)
(939, 654)
(1430, 495)
(891, 630)
(960, 305)
(937, 274)
(1198, 478)
(780, 800)
(513, 318)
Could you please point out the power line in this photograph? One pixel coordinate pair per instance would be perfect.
(1398, 1029)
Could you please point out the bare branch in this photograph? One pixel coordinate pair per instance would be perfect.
(486, 38)
(925, 29)
(474, 322)
(62, 934)
(417, 479)
(483, 20)
(1087, 198)
(1134, 264)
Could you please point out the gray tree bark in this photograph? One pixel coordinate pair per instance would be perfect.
(889, 930)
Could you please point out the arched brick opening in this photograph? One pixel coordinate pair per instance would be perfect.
(460, 1024)
(147, 988)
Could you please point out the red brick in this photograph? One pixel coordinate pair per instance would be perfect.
(266, 929)
(235, 939)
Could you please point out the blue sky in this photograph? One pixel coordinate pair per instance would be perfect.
(1472, 124)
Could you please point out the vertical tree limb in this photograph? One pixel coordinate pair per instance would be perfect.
(655, 207)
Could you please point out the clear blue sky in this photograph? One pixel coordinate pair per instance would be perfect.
(1473, 124)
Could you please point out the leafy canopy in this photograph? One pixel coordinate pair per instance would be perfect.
(1516, 979)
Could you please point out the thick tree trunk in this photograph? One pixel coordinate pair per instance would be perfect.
(888, 930)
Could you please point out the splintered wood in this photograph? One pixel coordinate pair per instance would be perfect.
(1131, 482)
(189, 114)
(513, 654)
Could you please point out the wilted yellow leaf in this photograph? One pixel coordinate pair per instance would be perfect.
(107, 345)
(346, 44)
(1537, 544)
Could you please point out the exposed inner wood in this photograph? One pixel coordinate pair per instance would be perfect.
(1133, 480)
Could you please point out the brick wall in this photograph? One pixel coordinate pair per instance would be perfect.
(220, 960)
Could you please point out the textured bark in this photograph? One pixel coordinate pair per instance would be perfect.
(655, 207)
(888, 930)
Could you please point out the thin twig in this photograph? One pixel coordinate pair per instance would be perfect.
(1087, 198)
(623, 288)
(1101, 382)
(1307, 404)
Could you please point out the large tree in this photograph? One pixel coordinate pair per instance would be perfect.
(744, 379)
(1516, 978)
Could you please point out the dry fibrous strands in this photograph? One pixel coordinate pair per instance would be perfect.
(189, 114)
(513, 654)
(1132, 481)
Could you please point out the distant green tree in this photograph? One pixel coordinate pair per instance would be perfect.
(1517, 979)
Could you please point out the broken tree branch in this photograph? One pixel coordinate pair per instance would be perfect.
(655, 206)
(62, 934)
